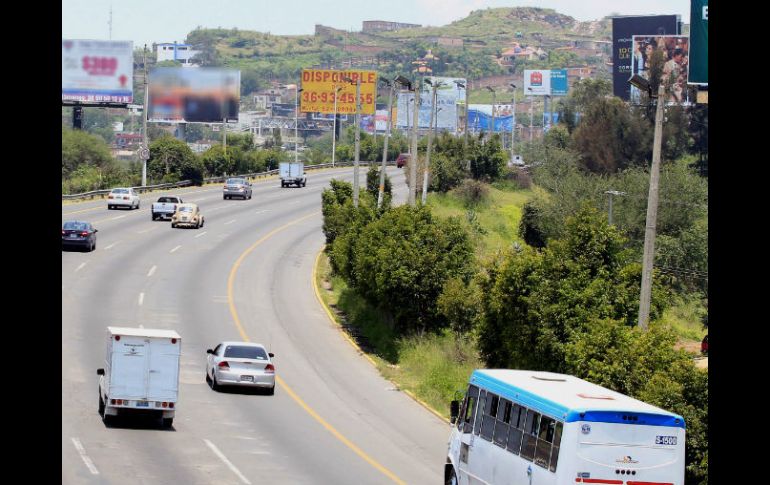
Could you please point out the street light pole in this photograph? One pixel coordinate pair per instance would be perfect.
(652, 213)
(493, 110)
(358, 142)
(297, 90)
(144, 118)
(413, 158)
(381, 193)
(334, 125)
(433, 115)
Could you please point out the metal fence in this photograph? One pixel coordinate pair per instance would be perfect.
(187, 183)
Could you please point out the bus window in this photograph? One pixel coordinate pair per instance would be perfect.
(530, 435)
(544, 440)
(503, 419)
(490, 412)
(478, 412)
(518, 416)
(555, 449)
(470, 409)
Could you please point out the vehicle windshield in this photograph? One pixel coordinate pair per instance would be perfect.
(75, 226)
(185, 209)
(119, 191)
(235, 182)
(243, 352)
(167, 199)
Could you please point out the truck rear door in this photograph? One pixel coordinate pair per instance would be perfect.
(130, 361)
(163, 375)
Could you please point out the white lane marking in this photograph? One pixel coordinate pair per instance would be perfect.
(229, 222)
(141, 326)
(80, 267)
(118, 217)
(112, 245)
(201, 234)
(141, 298)
(152, 271)
(226, 461)
(263, 210)
(84, 456)
(175, 249)
(148, 230)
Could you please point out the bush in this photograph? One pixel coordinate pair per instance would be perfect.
(472, 192)
(446, 173)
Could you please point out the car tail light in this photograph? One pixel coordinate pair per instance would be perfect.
(224, 365)
(173, 340)
(84, 233)
(112, 401)
(118, 401)
(110, 197)
(117, 337)
(270, 369)
(171, 405)
(165, 404)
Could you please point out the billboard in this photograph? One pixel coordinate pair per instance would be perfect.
(537, 82)
(559, 84)
(480, 117)
(623, 30)
(97, 71)
(448, 96)
(319, 89)
(699, 43)
(675, 49)
(200, 95)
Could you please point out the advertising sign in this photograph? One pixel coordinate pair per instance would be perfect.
(448, 96)
(97, 71)
(623, 30)
(537, 82)
(675, 49)
(699, 43)
(199, 95)
(319, 89)
(480, 117)
(559, 85)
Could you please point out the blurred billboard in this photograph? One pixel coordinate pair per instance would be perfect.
(199, 95)
(480, 117)
(97, 71)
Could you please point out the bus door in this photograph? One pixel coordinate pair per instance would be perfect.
(465, 428)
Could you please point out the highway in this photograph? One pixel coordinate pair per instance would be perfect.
(246, 275)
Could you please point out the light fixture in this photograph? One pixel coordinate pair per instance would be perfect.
(641, 84)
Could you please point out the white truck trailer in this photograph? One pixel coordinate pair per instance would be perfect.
(292, 173)
(141, 374)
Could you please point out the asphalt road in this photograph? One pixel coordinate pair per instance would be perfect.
(245, 275)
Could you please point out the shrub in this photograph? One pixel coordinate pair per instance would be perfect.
(472, 192)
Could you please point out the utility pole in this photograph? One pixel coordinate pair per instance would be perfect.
(652, 213)
(609, 211)
(358, 141)
(467, 110)
(492, 131)
(297, 90)
(144, 118)
(413, 158)
(513, 121)
(334, 124)
(381, 193)
(433, 115)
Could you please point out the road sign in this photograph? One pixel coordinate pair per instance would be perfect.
(144, 153)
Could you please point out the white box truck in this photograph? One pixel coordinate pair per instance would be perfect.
(141, 374)
(292, 173)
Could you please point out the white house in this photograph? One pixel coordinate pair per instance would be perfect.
(182, 53)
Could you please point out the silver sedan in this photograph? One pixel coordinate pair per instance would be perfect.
(240, 364)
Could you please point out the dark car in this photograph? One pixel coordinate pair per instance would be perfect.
(704, 345)
(402, 159)
(78, 234)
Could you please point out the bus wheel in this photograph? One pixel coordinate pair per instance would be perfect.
(451, 478)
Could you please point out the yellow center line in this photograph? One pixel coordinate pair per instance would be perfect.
(281, 382)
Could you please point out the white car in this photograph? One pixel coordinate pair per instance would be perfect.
(123, 197)
(240, 364)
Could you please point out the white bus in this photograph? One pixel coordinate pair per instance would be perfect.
(521, 427)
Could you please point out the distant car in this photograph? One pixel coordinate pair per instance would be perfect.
(240, 364)
(123, 197)
(187, 215)
(704, 345)
(78, 234)
(237, 187)
(402, 159)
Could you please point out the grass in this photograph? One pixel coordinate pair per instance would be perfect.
(684, 317)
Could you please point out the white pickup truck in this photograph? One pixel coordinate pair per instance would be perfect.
(141, 374)
(165, 207)
(292, 173)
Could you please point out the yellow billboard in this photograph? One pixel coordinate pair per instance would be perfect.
(319, 89)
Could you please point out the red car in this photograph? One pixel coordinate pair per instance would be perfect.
(402, 159)
(704, 345)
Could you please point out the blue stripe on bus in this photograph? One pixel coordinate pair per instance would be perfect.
(645, 419)
(563, 413)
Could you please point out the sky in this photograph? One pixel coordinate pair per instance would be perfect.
(148, 21)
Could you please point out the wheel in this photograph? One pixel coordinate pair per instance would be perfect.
(224, 197)
(167, 422)
(109, 207)
(271, 391)
(101, 405)
(203, 221)
(208, 379)
(249, 196)
(198, 225)
(93, 245)
(451, 479)
(137, 204)
(154, 216)
(214, 384)
(304, 183)
(173, 225)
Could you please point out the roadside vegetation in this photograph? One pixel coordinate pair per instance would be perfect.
(512, 269)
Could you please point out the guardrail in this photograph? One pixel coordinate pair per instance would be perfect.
(187, 183)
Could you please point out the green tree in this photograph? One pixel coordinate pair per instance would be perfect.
(82, 148)
(172, 160)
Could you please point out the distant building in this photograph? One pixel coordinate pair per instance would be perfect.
(265, 99)
(181, 53)
(123, 140)
(374, 26)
